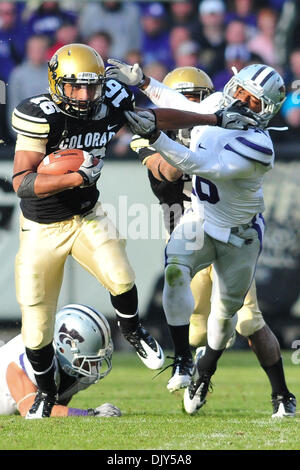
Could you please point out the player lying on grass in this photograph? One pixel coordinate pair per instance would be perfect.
(228, 169)
(173, 189)
(83, 354)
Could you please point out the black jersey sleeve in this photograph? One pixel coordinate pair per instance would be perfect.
(118, 95)
(31, 117)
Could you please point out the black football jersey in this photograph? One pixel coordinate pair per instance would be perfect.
(39, 117)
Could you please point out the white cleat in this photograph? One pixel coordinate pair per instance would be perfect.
(195, 395)
(182, 372)
(147, 348)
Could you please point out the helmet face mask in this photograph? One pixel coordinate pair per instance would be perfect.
(82, 342)
(76, 65)
(264, 83)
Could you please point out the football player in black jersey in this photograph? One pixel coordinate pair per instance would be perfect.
(173, 190)
(61, 214)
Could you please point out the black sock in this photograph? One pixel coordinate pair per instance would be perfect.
(208, 362)
(127, 310)
(180, 337)
(275, 374)
(42, 362)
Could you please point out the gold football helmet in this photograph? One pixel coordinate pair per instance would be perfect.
(190, 81)
(77, 66)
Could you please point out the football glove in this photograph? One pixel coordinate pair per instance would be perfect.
(89, 171)
(107, 410)
(141, 122)
(236, 116)
(129, 74)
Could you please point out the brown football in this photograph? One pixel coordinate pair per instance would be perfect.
(61, 162)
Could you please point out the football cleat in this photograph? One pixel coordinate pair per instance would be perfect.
(284, 406)
(42, 406)
(195, 395)
(146, 347)
(181, 374)
(199, 353)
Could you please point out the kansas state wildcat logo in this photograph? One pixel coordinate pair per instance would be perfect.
(66, 336)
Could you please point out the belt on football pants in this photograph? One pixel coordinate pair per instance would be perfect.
(234, 239)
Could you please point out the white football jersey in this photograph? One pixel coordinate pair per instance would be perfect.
(228, 165)
(14, 351)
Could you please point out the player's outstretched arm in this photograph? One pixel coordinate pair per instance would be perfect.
(23, 392)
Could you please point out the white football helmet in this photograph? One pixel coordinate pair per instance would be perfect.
(82, 341)
(264, 83)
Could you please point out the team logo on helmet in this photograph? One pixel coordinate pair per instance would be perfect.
(68, 336)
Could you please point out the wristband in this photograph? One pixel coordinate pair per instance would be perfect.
(153, 136)
(142, 82)
(78, 412)
(86, 181)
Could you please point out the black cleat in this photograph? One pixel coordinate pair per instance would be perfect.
(147, 348)
(284, 406)
(181, 374)
(42, 406)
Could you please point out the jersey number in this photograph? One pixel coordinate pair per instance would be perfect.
(114, 88)
(45, 104)
(206, 190)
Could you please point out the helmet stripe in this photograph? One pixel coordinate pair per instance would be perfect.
(267, 77)
(258, 72)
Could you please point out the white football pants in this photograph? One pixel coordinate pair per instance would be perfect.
(234, 269)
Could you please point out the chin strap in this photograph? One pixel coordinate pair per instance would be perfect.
(279, 129)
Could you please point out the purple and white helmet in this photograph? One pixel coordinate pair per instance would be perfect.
(262, 81)
(82, 342)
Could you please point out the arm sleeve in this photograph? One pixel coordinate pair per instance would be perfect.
(164, 97)
(226, 165)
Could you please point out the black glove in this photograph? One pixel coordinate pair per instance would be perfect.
(236, 116)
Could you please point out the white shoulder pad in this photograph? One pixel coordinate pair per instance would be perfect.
(254, 144)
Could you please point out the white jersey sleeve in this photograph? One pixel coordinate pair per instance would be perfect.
(165, 97)
(202, 162)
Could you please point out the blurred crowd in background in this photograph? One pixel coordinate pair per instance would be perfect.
(214, 35)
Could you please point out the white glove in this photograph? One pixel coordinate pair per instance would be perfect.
(107, 410)
(141, 122)
(89, 171)
(236, 116)
(128, 74)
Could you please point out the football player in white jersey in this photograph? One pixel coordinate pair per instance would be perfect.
(226, 223)
(173, 189)
(83, 355)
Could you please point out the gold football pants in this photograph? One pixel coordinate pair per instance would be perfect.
(250, 318)
(92, 240)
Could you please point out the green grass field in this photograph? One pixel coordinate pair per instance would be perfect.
(236, 416)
